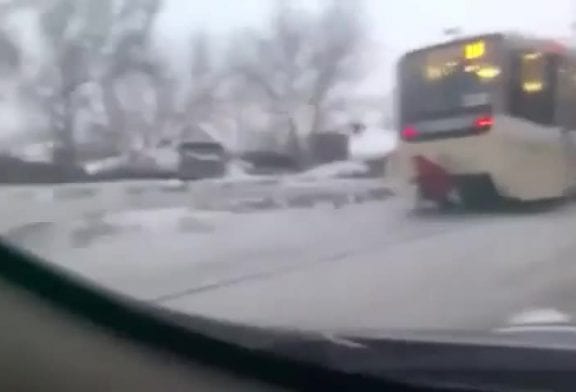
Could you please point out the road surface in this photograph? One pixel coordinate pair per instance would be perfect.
(337, 262)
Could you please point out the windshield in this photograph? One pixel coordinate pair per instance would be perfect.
(450, 79)
(260, 161)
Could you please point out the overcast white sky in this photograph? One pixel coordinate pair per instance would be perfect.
(395, 26)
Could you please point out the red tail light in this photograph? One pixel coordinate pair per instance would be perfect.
(483, 123)
(409, 133)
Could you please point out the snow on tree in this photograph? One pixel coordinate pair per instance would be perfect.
(100, 76)
(201, 96)
(304, 62)
(92, 52)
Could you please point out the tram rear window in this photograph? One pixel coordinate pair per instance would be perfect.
(449, 79)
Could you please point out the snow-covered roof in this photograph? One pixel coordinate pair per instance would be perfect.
(36, 152)
(373, 143)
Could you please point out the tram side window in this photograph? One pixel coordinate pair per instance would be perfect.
(566, 111)
(533, 86)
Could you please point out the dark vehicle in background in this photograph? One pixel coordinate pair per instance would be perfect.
(198, 160)
(14, 170)
(329, 147)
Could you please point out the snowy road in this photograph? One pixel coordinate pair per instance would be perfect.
(343, 263)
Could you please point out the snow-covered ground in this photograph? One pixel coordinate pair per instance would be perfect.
(342, 169)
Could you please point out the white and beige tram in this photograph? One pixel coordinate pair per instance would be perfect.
(489, 117)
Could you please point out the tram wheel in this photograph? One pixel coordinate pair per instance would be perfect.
(478, 192)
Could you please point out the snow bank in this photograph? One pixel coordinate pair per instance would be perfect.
(96, 167)
(334, 170)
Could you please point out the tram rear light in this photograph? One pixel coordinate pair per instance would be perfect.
(483, 123)
(409, 133)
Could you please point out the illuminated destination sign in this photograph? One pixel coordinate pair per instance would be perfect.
(474, 50)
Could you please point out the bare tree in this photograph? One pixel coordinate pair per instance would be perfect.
(10, 60)
(205, 78)
(132, 65)
(11, 68)
(337, 60)
(298, 67)
(90, 46)
(101, 53)
(65, 69)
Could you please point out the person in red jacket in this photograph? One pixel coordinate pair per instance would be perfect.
(433, 182)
